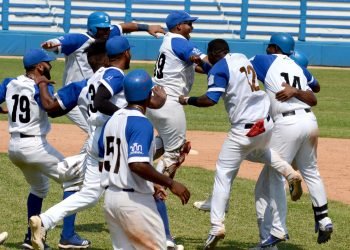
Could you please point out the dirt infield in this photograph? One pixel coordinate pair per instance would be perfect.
(333, 155)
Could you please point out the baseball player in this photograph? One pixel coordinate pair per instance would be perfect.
(3, 237)
(303, 62)
(28, 126)
(73, 45)
(130, 209)
(294, 137)
(233, 78)
(174, 71)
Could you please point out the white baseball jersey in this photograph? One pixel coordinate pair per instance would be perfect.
(234, 79)
(72, 46)
(23, 102)
(127, 138)
(272, 71)
(174, 70)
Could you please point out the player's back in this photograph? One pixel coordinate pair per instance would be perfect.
(272, 71)
(25, 115)
(244, 103)
(171, 72)
(121, 135)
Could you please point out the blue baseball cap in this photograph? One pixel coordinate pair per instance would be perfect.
(35, 56)
(178, 16)
(117, 45)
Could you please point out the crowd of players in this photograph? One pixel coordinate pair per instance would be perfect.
(118, 112)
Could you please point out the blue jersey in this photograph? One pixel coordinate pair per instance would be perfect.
(272, 71)
(127, 138)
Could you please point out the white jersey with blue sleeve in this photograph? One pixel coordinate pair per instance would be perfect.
(272, 71)
(128, 138)
(173, 70)
(72, 46)
(25, 112)
(112, 78)
(234, 78)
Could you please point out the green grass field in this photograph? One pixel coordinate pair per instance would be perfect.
(332, 110)
(189, 225)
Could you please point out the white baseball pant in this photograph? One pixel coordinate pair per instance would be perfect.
(133, 220)
(77, 117)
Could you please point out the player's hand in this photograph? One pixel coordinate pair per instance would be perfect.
(154, 29)
(183, 100)
(43, 80)
(181, 191)
(159, 192)
(158, 97)
(196, 59)
(3, 110)
(49, 45)
(287, 93)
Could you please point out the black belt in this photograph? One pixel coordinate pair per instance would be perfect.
(124, 189)
(25, 136)
(250, 125)
(289, 113)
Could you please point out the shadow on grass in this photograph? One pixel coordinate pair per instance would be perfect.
(198, 243)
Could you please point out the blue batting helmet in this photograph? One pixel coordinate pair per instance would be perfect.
(137, 85)
(284, 41)
(300, 58)
(96, 20)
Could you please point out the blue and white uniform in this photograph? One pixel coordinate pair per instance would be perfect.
(233, 78)
(130, 209)
(112, 78)
(76, 66)
(28, 126)
(294, 137)
(175, 72)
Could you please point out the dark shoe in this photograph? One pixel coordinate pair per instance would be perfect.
(212, 240)
(74, 242)
(324, 228)
(272, 241)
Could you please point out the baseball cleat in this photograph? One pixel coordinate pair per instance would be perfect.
(206, 205)
(3, 237)
(212, 241)
(74, 242)
(258, 247)
(272, 241)
(324, 228)
(184, 150)
(171, 245)
(27, 243)
(295, 188)
(38, 233)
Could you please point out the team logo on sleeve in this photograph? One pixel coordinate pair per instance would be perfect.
(196, 51)
(135, 148)
(210, 80)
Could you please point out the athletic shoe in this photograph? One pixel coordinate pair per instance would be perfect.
(212, 240)
(3, 237)
(324, 228)
(206, 205)
(75, 242)
(38, 233)
(272, 241)
(295, 188)
(27, 243)
(171, 245)
(184, 150)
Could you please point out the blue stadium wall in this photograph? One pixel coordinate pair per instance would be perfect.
(146, 48)
(325, 53)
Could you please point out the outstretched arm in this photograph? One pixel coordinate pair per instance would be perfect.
(201, 101)
(151, 29)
